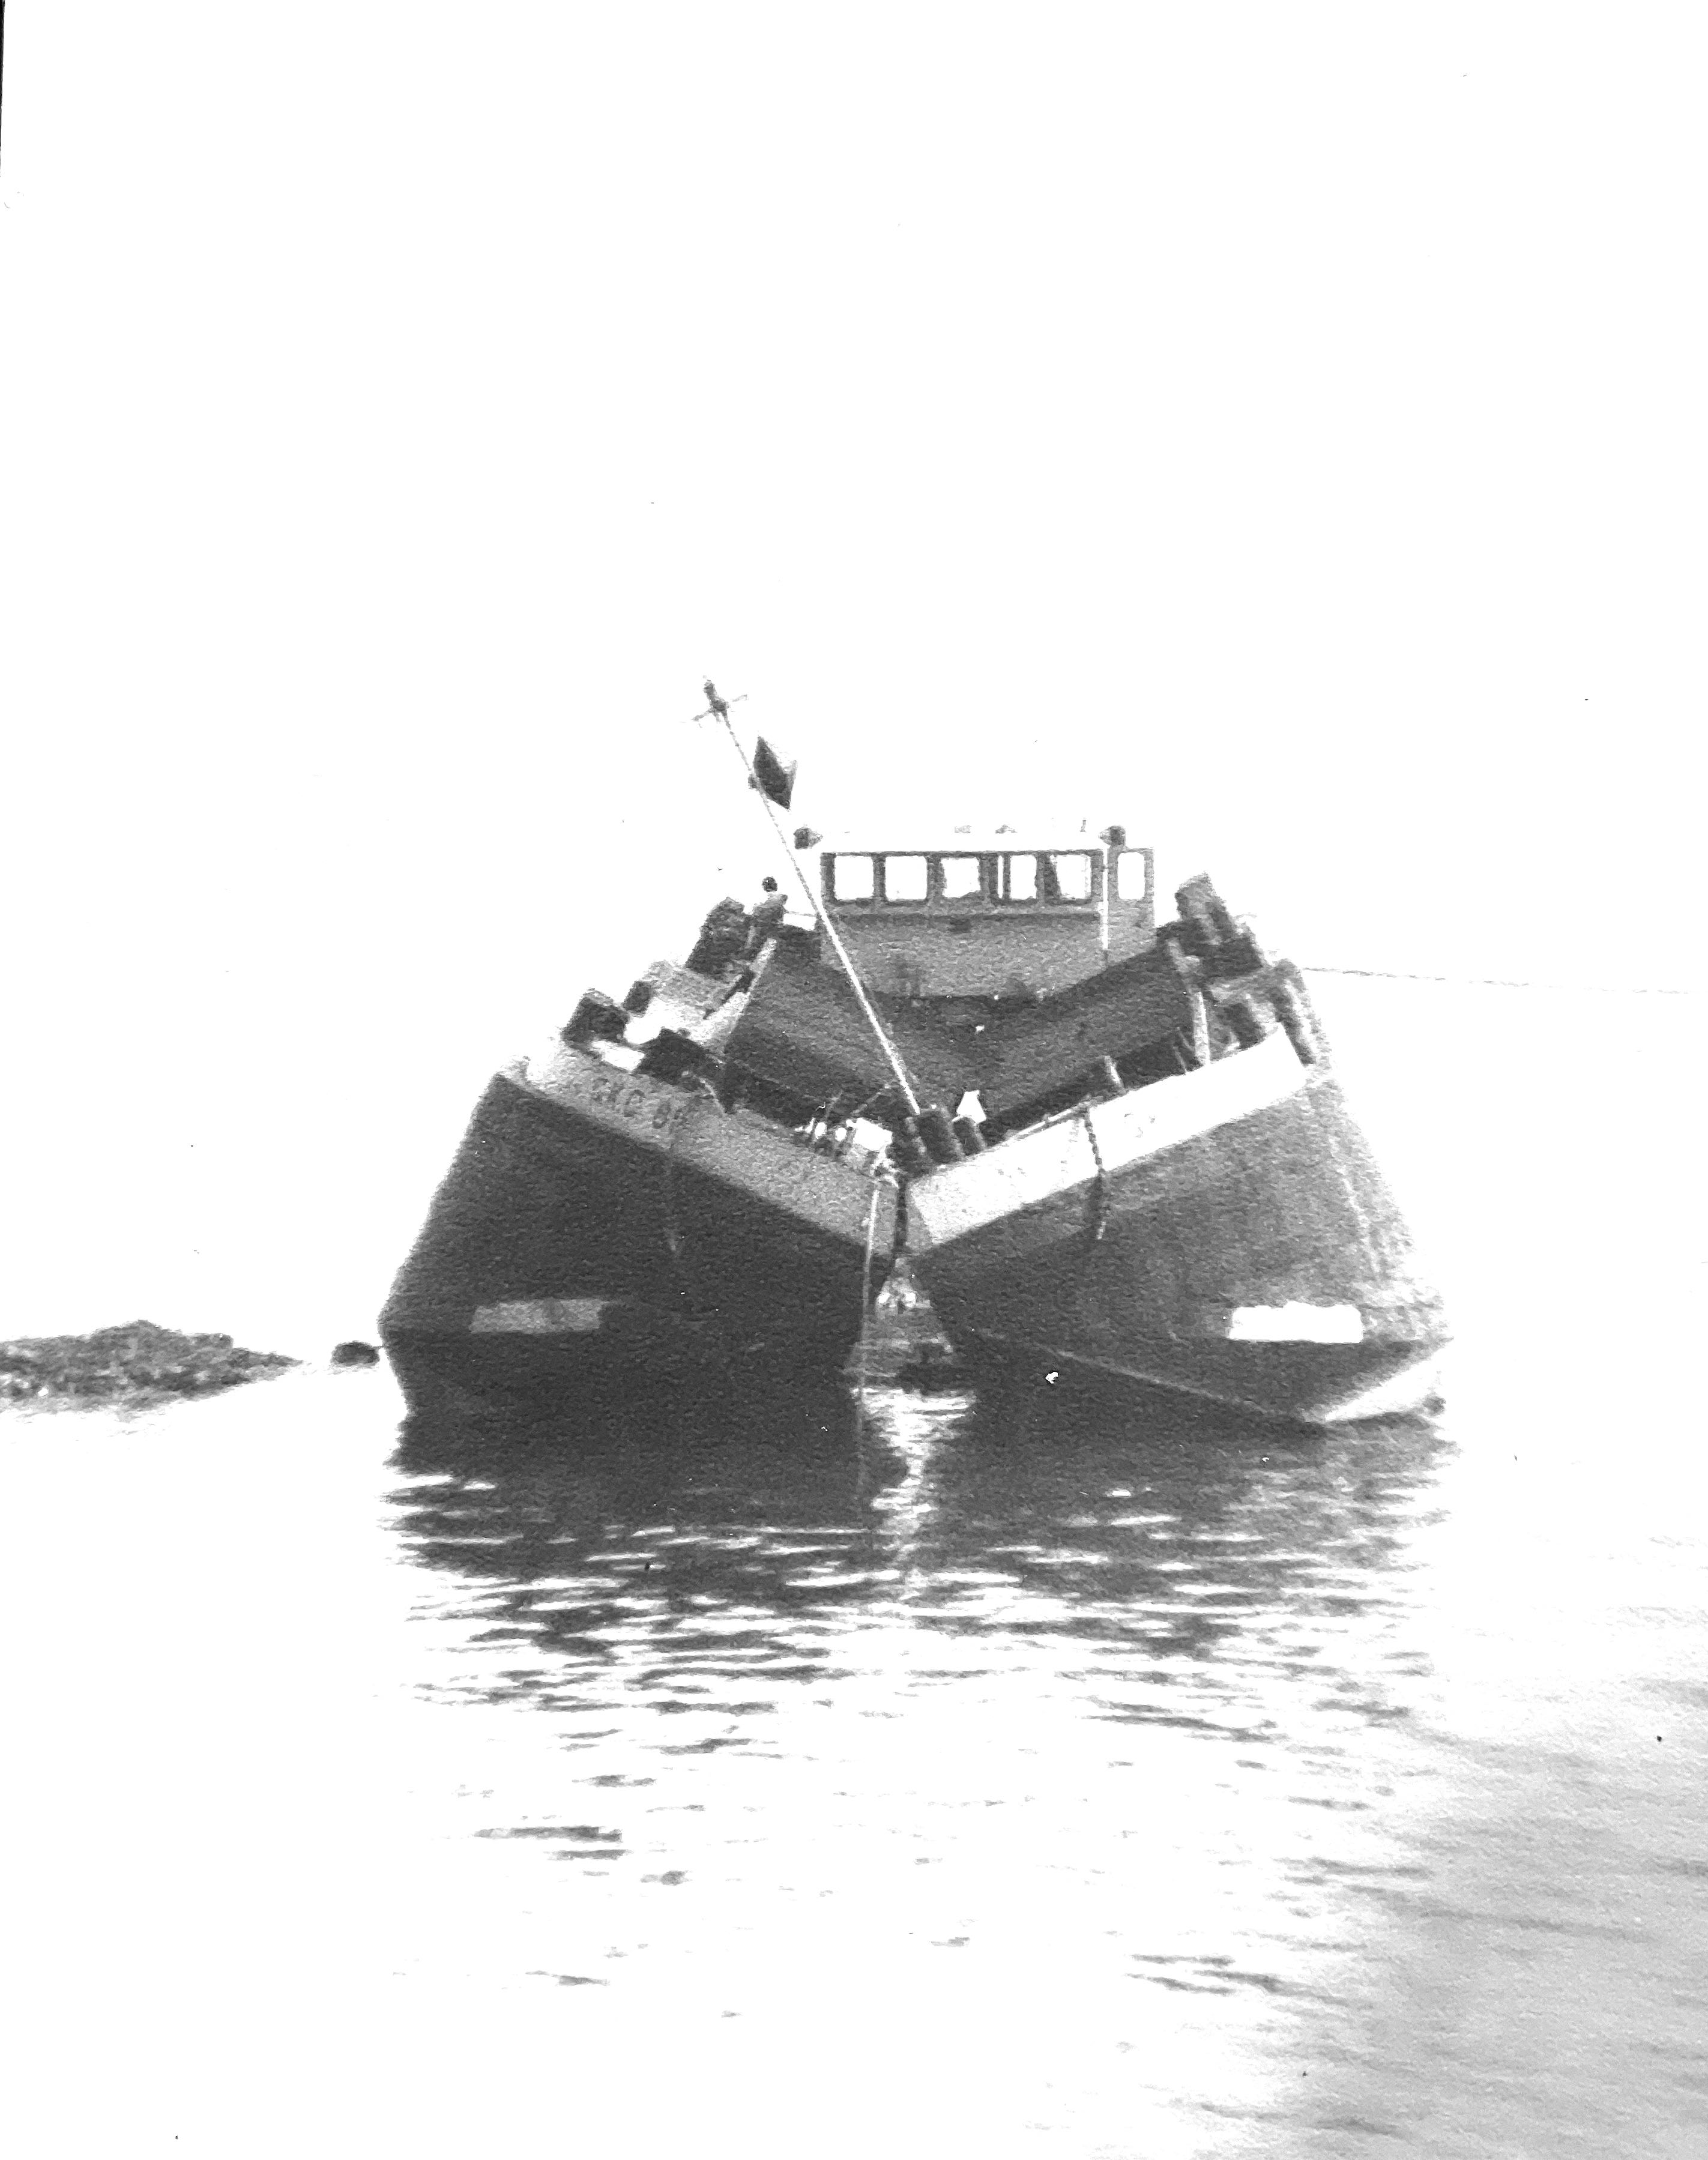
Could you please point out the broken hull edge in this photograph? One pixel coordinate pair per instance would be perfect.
(1312, 1384)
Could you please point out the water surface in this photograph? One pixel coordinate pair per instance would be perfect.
(1047, 1774)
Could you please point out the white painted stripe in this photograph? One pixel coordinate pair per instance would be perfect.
(1296, 1322)
(1054, 1158)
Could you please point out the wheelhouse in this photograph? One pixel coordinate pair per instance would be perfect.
(991, 918)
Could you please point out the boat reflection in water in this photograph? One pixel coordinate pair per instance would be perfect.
(1099, 1704)
(616, 1544)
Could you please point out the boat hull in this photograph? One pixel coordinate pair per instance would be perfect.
(600, 1229)
(1295, 1384)
(1224, 1234)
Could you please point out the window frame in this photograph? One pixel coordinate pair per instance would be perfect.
(1091, 857)
(828, 882)
(957, 901)
(902, 854)
(1120, 894)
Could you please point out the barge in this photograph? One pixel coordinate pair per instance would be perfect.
(1102, 1145)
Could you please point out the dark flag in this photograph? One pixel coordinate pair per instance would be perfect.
(771, 776)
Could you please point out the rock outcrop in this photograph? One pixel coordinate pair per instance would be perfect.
(135, 1364)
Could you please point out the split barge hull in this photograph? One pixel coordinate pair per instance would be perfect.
(1223, 1233)
(601, 1228)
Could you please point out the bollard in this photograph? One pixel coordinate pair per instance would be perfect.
(938, 1134)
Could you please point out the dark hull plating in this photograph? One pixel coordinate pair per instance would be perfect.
(1224, 1234)
(601, 1231)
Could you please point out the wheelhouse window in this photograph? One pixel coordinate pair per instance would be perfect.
(1132, 874)
(906, 878)
(1066, 877)
(960, 877)
(852, 877)
(1016, 877)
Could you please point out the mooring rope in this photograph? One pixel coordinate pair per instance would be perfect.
(1100, 1219)
(1502, 981)
(866, 1296)
(675, 1240)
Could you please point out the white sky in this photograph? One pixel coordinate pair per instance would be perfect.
(1278, 428)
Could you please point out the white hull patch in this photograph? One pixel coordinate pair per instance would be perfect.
(1295, 1323)
(540, 1315)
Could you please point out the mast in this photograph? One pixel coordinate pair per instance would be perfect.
(718, 708)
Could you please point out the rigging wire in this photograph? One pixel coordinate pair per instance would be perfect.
(1502, 981)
